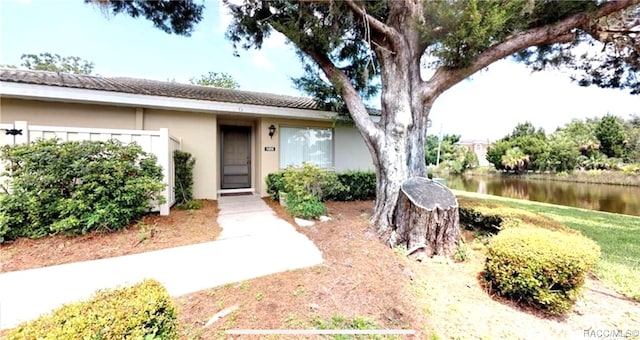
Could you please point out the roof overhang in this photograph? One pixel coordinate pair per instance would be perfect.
(75, 95)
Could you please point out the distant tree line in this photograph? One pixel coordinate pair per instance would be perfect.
(593, 143)
(75, 65)
(453, 156)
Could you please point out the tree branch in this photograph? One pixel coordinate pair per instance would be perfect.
(375, 23)
(382, 28)
(559, 32)
(352, 99)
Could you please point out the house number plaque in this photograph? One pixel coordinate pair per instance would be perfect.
(269, 148)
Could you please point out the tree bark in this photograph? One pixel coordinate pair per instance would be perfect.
(426, 219)
(396, 142)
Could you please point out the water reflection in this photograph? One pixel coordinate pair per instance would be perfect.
(603, 197)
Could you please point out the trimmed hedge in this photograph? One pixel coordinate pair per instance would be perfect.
(76, 187)
(539, 267)
(142, 311)
(360, 186)
(351, 186)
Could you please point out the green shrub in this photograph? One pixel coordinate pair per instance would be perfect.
(350, 185)
(142, 311)
(540, 267)
(183, 188)
(358, 186)
(307, 207)
(306, 188)
(275, 184)
(309, 180)
(190, 205)
(76, 187)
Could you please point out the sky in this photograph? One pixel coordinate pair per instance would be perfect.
(486, 106)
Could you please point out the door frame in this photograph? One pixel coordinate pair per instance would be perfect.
(249, 130)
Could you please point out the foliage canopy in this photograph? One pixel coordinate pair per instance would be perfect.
(56, 63)
(215, 79)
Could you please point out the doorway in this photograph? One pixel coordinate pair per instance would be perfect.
(236, 157)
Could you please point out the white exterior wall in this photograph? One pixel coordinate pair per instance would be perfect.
(350, 152)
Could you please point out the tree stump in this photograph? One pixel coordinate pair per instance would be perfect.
(426, 219)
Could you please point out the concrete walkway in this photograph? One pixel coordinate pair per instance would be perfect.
(254, 242)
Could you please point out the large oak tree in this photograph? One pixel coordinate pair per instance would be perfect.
(352, 44)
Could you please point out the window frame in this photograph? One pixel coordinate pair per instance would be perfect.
(306, 127)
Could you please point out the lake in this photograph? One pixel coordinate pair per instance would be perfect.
(603, 197)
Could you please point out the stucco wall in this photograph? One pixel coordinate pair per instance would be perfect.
(198, 133)
(67, 114)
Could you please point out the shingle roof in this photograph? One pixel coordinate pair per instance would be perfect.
(154, 88)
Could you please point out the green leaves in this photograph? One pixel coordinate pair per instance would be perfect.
(142, 311)
(55, 63)
(171, 16)
(75, 187)
(611, 135)
(215, 79)
(458, 31)
(184, 163)
(543, 268)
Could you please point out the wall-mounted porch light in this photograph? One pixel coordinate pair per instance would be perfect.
(272, 131)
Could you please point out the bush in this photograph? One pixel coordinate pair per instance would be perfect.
(275, 184)
(306, 188)
(540, 267)
(142, 311)
(76, 187)
(183, 188)
(306, 207)
(359, 186)
(350, 185)
(309, 180)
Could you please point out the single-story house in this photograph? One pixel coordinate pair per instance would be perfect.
(237, 137)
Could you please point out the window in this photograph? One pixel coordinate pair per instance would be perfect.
(312, 145)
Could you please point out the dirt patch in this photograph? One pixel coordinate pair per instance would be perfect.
(153, 232)
(361, 277)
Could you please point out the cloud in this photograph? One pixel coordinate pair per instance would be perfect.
(260, 60)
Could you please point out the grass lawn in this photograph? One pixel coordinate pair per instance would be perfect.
(618, 236)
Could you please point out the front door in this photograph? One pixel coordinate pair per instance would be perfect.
(236, 157)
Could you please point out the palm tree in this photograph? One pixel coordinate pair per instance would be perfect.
(515, 159)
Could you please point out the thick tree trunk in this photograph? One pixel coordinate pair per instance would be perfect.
(426, 219)
(396, 142)
(400, 159)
